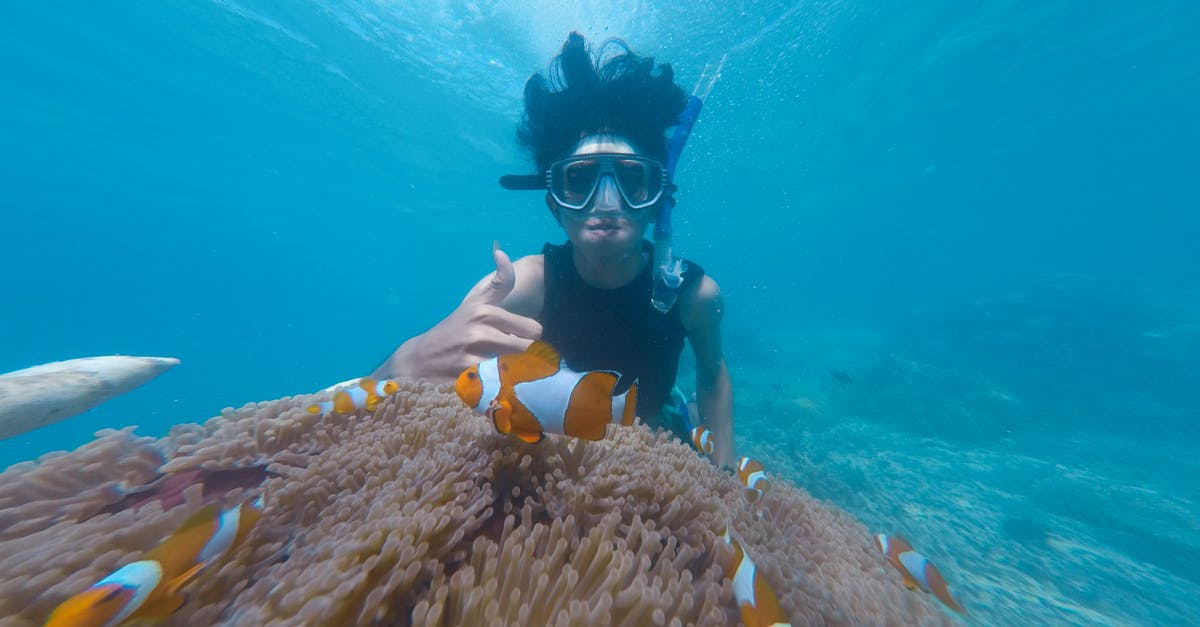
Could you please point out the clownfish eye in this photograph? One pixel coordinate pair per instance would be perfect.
(471, 374)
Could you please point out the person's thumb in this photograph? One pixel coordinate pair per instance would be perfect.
(502, 281)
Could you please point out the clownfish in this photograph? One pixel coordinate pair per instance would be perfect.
(366, 394)
(752, 475)
(533, 393)
(754, 595)
(151, 587)
(702, 438)
(916, 569)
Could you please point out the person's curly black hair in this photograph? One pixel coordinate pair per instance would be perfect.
(621, 95)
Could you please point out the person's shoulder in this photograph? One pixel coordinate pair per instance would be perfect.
(535, 264)
(701, 304)
(703, 293)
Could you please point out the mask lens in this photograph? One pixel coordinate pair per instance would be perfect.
(574, 182)
(639, 180)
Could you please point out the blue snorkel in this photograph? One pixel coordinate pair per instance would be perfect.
(668, 270)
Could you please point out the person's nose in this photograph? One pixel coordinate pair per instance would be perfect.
(608, 197)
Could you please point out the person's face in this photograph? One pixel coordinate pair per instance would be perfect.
(607, 223)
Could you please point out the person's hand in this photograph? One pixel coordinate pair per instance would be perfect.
(478, 329)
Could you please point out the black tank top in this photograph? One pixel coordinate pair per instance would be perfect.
(617, 329)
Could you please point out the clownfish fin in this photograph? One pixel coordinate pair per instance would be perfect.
(501, 414)
(205, 516)
(367, 385)
(532, 437)
(545, 353)
(172, 587)
(160, 607)
(942, 590)
(630, 405)
(180, 550)
(343, 403)
(949, 597)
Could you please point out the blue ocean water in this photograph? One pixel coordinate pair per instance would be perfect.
(982, 214)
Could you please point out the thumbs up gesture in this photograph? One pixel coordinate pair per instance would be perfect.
(480, 328)
(493, 289)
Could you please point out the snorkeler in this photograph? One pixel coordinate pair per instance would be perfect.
(597, 131)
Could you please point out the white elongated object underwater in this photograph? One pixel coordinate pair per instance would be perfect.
(35, 397)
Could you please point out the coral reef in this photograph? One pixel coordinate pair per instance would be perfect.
(419, 513)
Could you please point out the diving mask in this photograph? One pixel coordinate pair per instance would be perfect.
(573, 181)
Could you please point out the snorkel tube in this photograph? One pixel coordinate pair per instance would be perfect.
(668, 270)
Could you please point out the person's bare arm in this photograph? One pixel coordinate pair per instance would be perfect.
(496, 317)
(701, 310)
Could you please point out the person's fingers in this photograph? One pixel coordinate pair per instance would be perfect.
(495, 343)
(501, 282)
(514, 324)
(504, 266)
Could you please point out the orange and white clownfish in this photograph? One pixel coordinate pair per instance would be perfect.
(916, 569)
(151, 588)
(366, 394)
(759, 605)
(703, 439)
(752, 475)
(533, 393)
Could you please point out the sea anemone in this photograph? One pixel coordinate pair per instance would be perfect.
(420, 513)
